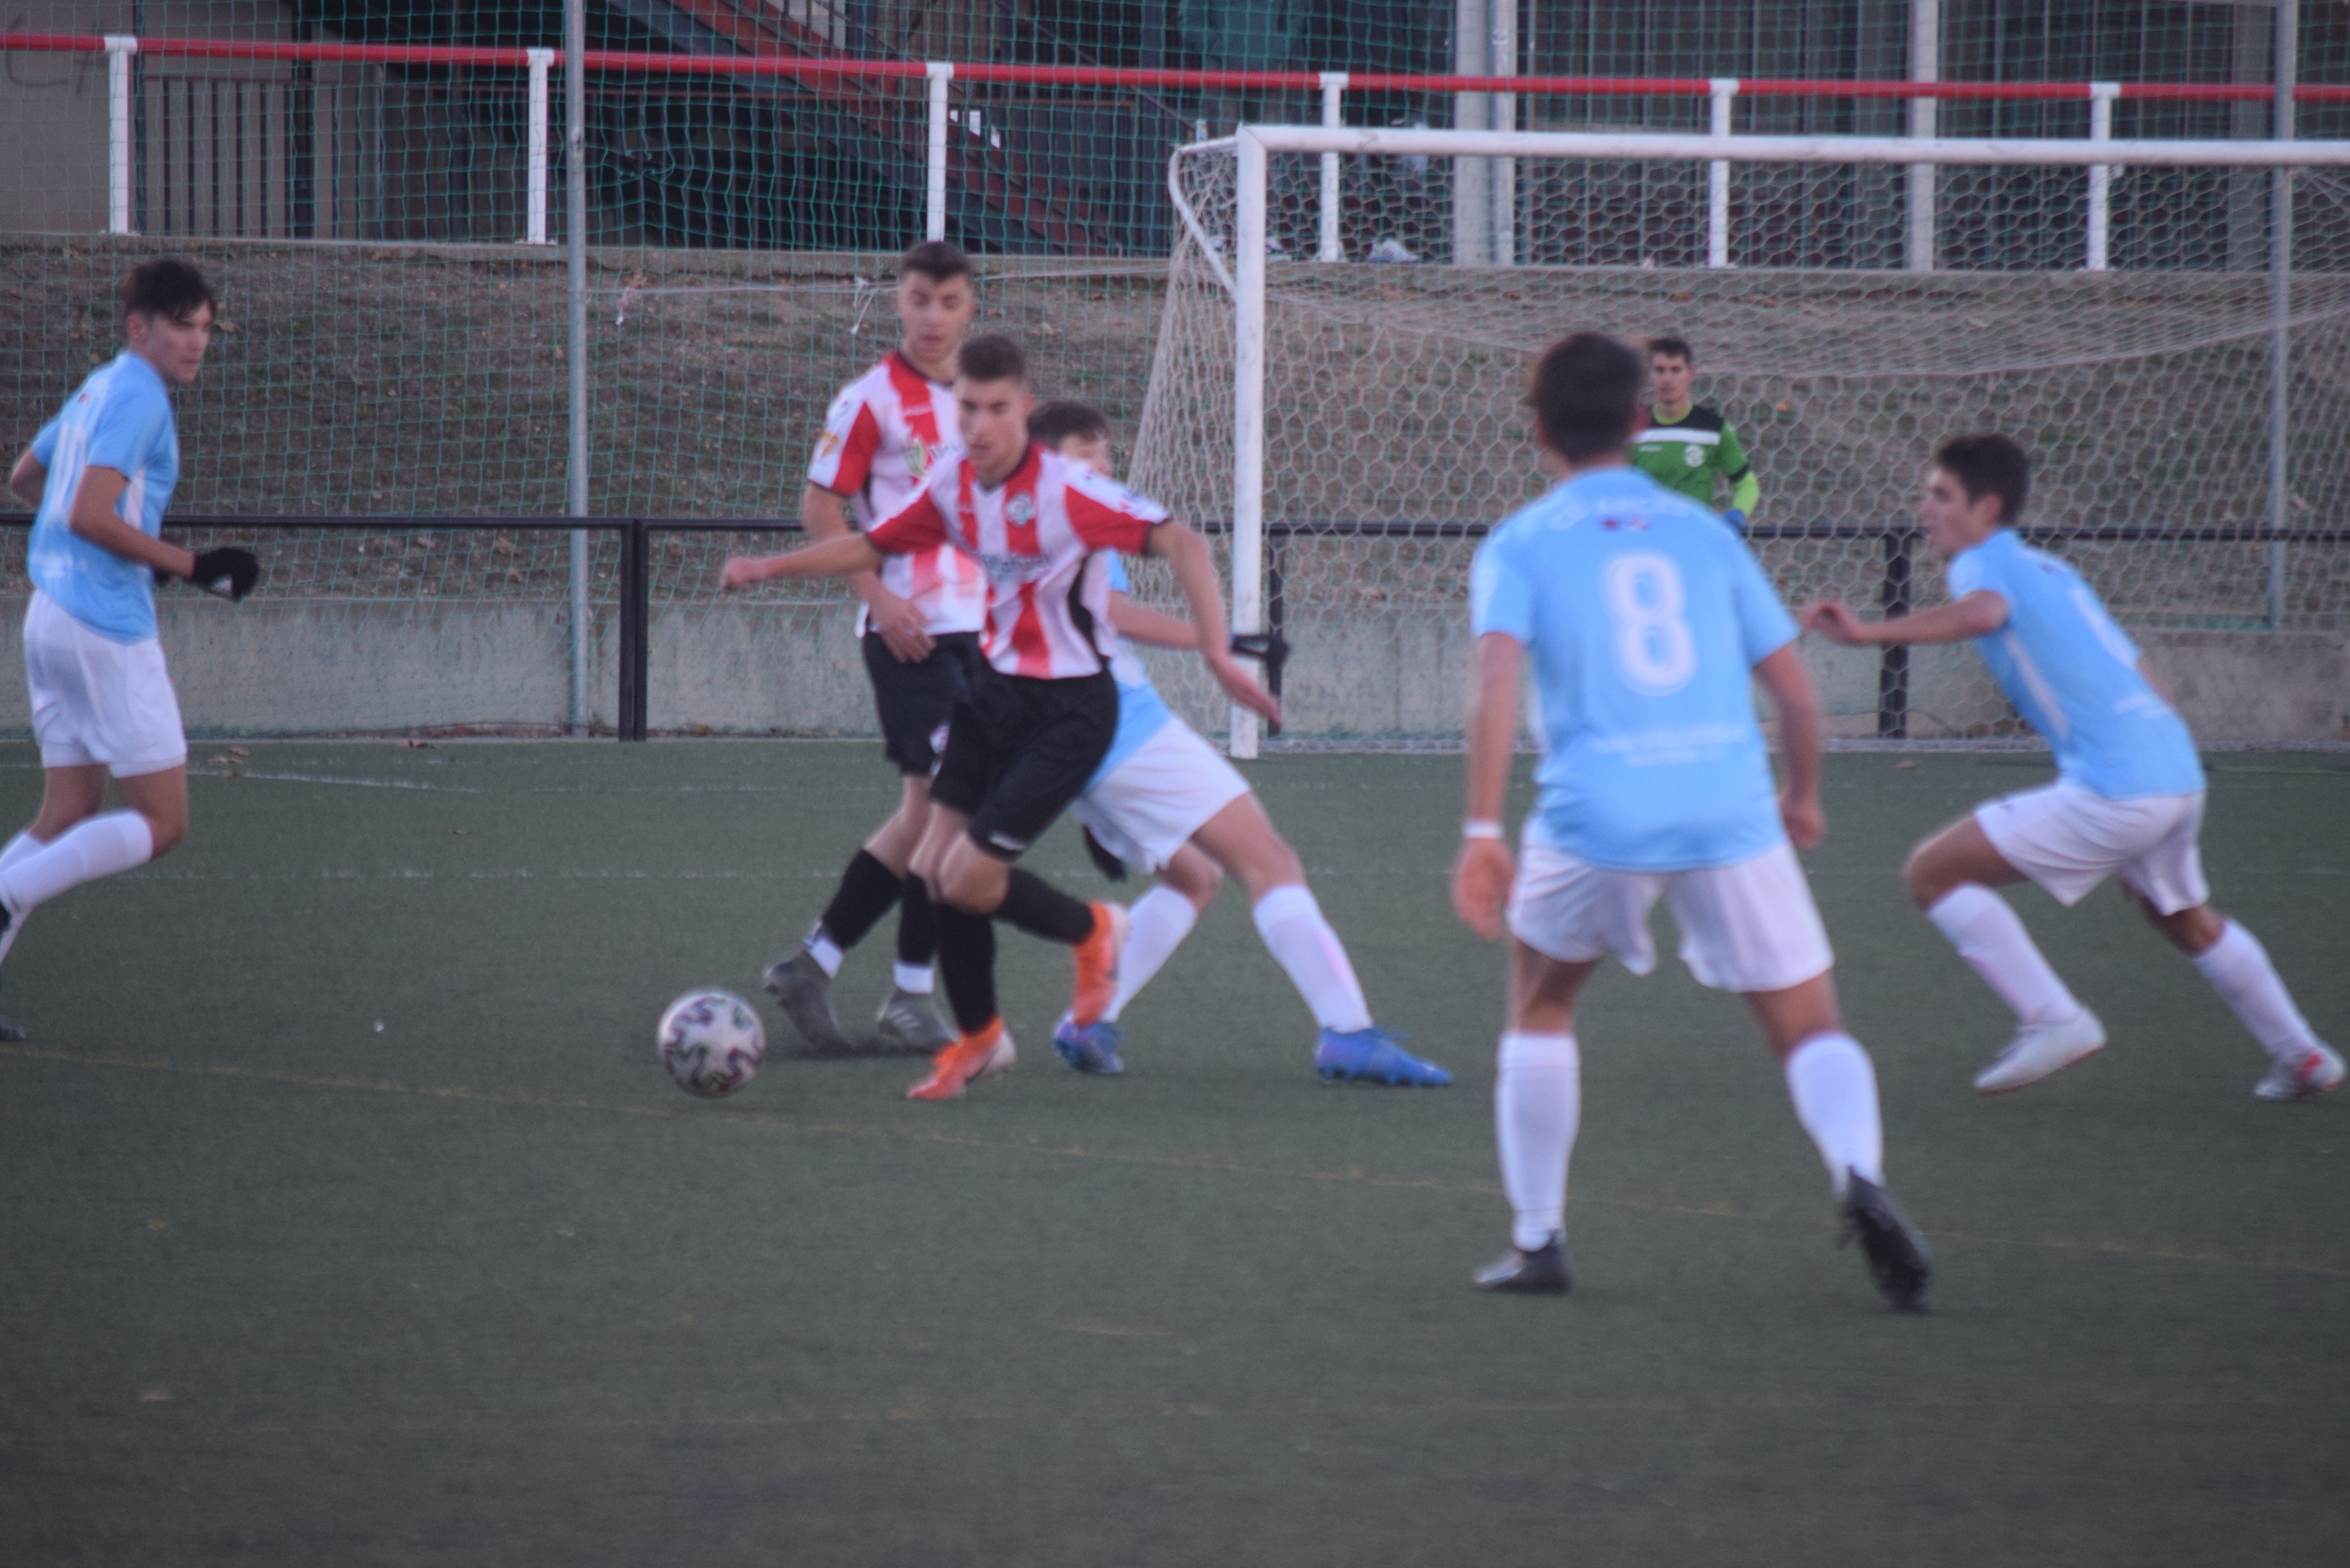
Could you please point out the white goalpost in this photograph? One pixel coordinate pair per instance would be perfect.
(2129, 316)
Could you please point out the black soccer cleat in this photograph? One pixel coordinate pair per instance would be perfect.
(1897, 1259)
(1542, 1271)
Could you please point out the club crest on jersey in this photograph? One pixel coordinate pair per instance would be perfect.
(1020, 510)
(1693, 456)
(917, 456)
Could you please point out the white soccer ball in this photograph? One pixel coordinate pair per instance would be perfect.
(711, 1043)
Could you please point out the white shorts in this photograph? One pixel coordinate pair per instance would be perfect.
(1744, 928)
(1158, 797)
(2068, 839)
(99, 700)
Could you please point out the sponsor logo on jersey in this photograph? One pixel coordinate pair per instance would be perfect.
(827, 444)
(1013, 569)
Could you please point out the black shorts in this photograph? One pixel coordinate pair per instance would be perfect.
(1020, 750)
(915, 701)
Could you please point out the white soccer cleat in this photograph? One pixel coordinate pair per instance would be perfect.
(2302, 1075)
(2040, 1049)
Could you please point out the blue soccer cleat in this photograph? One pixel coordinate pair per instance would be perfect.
(1372, 1056)
(1093, 1049)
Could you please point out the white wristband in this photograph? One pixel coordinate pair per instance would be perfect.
(1480, 827)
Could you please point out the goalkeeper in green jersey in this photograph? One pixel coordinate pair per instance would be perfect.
(1688, 446)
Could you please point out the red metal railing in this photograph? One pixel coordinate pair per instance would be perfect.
(655, 63)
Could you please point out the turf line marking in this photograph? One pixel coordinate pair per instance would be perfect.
(918, 1412)
(1353, 1176)
(430, 787)
(331, 779)
(519, 874)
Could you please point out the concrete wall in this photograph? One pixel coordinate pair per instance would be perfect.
(300, 666)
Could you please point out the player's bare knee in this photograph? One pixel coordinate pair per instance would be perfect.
(1195, 877)
(166, 832)
(1275, 866)
(2192, 931)
(1927, 882)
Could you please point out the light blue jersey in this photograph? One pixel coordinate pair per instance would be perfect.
(119, 418)
(1641, 617)
(2073, 676)
(1142, 712)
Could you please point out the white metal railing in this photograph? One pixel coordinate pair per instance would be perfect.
(943, 122)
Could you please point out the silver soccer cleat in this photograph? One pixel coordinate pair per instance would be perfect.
(2304, 1076)
(907, 1023)
(803, 991)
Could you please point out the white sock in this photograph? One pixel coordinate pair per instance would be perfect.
(824, 950)
(1537, 1104)
(93, 847)
(16, 848)
(1305, 946)
(1157, 923)
(2238, 969)
(1834, 1086)
(914, 978)
(1991, 936)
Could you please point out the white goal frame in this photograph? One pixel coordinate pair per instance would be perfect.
(1254, 145)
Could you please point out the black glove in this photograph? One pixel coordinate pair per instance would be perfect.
(1269, 645)
(227, 571)
(1109, 864)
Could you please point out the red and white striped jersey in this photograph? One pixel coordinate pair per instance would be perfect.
(883, 435)
(1048, 617)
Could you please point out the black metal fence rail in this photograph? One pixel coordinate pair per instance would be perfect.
(635, 538)
(1899, 545)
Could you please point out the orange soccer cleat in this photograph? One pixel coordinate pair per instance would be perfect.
(971, 1058)
(1098, 964)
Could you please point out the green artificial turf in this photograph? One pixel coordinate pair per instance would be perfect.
(346, 1216)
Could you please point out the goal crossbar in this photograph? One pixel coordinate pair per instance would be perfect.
(1251, 146)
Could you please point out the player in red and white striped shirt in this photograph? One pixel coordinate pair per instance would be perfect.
(920, 629)
(1038, 718)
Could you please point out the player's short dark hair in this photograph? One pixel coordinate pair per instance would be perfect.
(167, 286)
(993, 357)
(1989, 463)
(938, 261)
(1585, 391)
(1066, 418)
(1675, 348)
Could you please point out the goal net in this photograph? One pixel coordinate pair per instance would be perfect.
(1385, 422)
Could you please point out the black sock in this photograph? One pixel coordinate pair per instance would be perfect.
(868, 888)
(1041, 910)
(967, 964)
(917, 925)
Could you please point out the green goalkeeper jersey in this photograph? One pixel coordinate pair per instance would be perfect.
(1689, 454)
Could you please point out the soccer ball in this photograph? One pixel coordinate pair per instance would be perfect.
(711, 1043)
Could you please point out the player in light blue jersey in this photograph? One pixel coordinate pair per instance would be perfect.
(100, 475)
(1645, 623)
(1164, 800)
(2128, 795)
